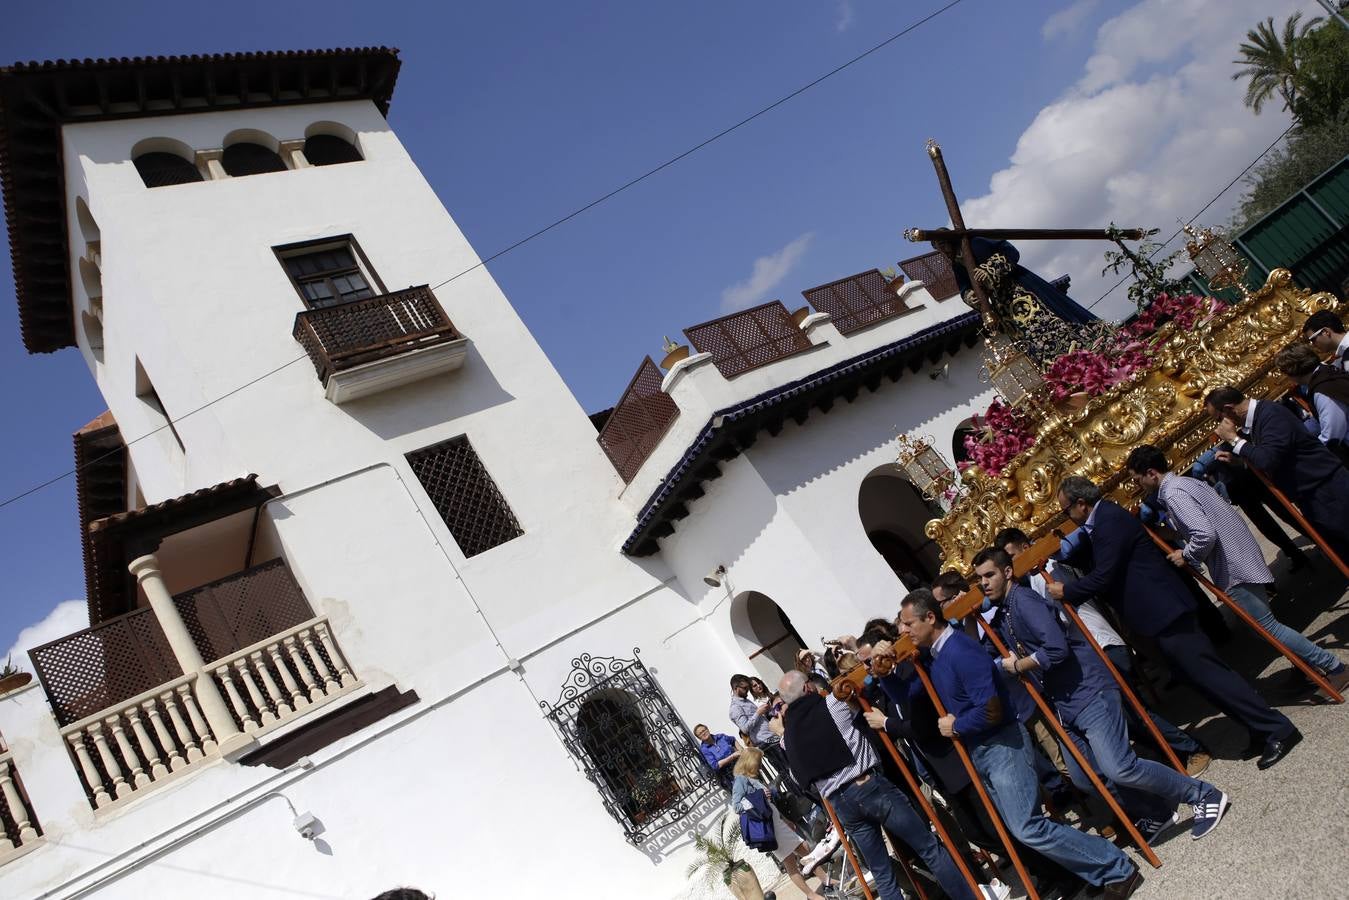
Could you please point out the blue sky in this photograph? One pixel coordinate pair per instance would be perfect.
(1050, 113)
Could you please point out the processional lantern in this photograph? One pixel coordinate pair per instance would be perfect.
(1217, 259)
(925, 467)
(1011, 372)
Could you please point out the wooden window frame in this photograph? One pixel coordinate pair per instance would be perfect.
(285, 251)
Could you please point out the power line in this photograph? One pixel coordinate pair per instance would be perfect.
(539, 233)
(1215, 199)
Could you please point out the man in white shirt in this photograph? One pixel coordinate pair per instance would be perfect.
(1324, 331)
(1197, 759)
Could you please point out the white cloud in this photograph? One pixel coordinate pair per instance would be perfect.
(1152, 130)
(767, 274)
(68, 616)
(846, 15)
(1068, 20)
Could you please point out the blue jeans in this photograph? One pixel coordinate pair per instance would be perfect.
(1255, 600)
(1146, 788)
(864, 809)
(1003, 759)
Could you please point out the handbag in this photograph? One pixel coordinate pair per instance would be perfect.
(756, 822)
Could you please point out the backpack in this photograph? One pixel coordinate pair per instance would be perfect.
(756, 823)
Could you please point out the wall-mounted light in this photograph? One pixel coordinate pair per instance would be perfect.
(713, 578)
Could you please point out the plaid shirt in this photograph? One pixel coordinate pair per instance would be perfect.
(1214, 533)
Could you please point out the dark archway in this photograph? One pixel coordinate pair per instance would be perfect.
(894, 515)
(765, 634)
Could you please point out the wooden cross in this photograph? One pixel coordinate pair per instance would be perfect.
(962, 234)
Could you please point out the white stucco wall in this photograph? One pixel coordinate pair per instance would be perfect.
(457, 792)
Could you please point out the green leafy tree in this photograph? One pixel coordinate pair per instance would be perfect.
(1270, 60)
(1323, 76)
(1286, 170)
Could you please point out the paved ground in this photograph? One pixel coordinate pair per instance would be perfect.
(1287, 833)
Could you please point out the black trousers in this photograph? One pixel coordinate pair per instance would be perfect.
(1193, 656)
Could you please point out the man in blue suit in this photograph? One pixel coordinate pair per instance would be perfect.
(978, 712)
(1131, 574)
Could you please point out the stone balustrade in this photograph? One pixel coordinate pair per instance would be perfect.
(141, 741)
(18, 826)
(283, 677)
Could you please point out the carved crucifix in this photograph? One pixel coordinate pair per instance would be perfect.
(961, 234)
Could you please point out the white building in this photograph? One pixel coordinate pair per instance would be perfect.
(394, 583)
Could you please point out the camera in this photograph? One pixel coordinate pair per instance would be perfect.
(308, 825)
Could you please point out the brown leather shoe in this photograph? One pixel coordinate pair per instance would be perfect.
(1118, 890)
(1198, 763)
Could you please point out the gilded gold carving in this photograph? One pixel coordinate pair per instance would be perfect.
(1161, 406)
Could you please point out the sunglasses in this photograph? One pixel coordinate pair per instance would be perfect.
(1311, 338)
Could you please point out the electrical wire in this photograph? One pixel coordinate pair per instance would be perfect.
(1190, 221)
(522, 241)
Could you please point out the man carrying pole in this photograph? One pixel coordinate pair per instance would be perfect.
(1089, 706)
(1215, 536)
(826, 749)
(976, 701)
(1134, 577)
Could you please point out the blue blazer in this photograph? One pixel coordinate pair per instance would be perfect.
(1130, 573)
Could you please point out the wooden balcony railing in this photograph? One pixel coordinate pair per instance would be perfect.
(350, 334)
(748, 339)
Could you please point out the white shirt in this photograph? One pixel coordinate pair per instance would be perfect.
(1250, 423)
(937, 644)
(1341, 360)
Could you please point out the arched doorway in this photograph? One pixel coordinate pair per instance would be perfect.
(766, 635)
(958, 451)
(894, 515)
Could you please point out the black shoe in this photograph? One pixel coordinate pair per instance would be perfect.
(1276, 750)
(1296, 683)
(1119, 890)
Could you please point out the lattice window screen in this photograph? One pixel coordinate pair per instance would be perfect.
(748, 339)
(638, 422)
(241, 609)
(465, 495)
(90, 670)
(934, 271)
(855, 302)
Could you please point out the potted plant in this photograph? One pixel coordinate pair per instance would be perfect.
(12, 677)
(720, 854)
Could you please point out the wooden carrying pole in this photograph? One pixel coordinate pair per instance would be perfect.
(1023, 234)
(847, 848)
(1246, 617)
(1302, 521)
(846, 686)
(1124, 689)
(1081, 758)
(993, 815)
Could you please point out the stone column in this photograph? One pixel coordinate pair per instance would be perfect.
(231, 740)
(292, 152)
(209, 162)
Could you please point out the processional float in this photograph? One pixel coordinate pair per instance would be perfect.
(1161, 405)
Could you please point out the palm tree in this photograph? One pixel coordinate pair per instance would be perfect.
(1270, 61)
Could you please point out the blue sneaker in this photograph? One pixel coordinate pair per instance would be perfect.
(1208, 812)
(1151, 829)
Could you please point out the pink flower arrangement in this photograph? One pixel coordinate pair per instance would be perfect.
(1094, 371)
(1002, 434)
(1186, 310)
